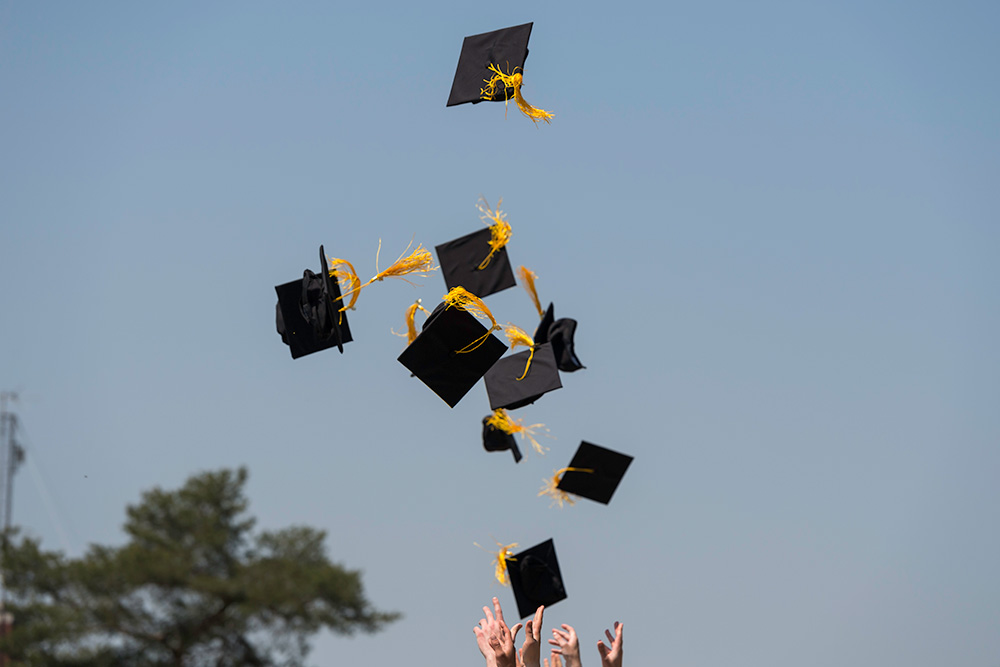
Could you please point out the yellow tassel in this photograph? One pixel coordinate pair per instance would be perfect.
(418, 263)
(461, 298)
(528, 278)
(348, 279)
(502, 421)
(411, 329)
(501, 556)
(499, 231)
(512, 80)
(551, 487)
(517, 336)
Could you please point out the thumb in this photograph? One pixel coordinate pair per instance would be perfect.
(602, 649)
(514, 631)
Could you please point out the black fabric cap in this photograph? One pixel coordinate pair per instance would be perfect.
(460, 260)
(433, 355)
(507, 49)
(609, 467)
(506, 391)
(307, 315)
(495, 440)
(560, 333)
(535, 578)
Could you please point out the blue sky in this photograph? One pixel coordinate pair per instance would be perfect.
(773, 223)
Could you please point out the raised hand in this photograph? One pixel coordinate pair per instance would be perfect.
(567, 645)
(483, 641)
(495, 639)
(531, 649)
(612, 657)
(556, 661)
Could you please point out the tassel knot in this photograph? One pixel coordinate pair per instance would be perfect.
(501, 556)
(461, 298)
(501, 420)
(500, 231)
(551, 487)
(514, 81)
(517, 336)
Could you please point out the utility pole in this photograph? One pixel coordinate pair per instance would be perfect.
(11, 456)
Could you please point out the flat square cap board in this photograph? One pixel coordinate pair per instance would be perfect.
(506, 391)
(535, 578)
(307, 316)
(460, 261)
(506, 48)
(434, 355)
(608, 468)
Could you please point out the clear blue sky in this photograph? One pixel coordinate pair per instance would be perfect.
(776, 224)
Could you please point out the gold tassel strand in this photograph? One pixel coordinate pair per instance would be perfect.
(528, 278)
(418, 263)
(500, 231)
(517, 336)
(501, 420)
(348, 279)
(461, 298)
(512, 80)
(501, 556)
(411, 328)
(551, 487)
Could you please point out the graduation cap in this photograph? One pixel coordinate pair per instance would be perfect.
(478, 261)
(594, 473)
(496, 439)
(522, 378)
(490, 68)
(550, 330)
(308, 316)
(560, 333)
(453, 350)
(535, 578)
(499, 429)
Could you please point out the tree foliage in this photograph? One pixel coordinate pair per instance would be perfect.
(193, 585)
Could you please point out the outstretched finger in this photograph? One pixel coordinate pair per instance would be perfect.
(619, 632)
(610, 637)
(537, 626)
(488, 614)
(514, 631)
(497, 609)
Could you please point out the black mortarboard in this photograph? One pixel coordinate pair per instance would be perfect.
(560, 333)
(506, 391)
(608, 469)
(460, 261)
(506, 48)
(308, 316)
(434, 355)
(535, 578)
(496, 440)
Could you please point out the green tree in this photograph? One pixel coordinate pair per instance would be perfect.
(192, 586)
